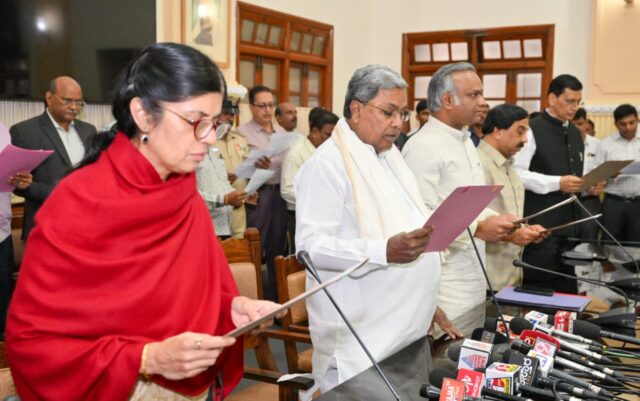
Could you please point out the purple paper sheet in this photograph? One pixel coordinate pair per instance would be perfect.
(14, 160)
(559, 300)
(457, 212)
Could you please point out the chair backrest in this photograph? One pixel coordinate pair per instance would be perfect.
(245, 262)
(291, 282)
(7, 387)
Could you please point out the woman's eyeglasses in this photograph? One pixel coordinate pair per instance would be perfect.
(201, 128)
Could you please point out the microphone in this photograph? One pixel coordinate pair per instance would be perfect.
(583, 361)
(438, 375)
(624, 317)
(304, 258)
(593, 331)
(518, 325)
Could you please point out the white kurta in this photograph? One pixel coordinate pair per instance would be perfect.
(389, 305)
(443, 158)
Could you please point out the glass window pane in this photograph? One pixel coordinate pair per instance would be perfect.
(529, 85)
(318, 46)
(512, 49)
(495, 102)
(247, 73)
(261, 33)
(295, 100)
(295, 79)
(420, 85)
(270, 76)
(459, 51)
(529, 105)
(314, 82)
(532, 48)
(491, 50)
(495, 85)
(295, 41)
(313, 101)
(274, 35)
(247, 30)
(307, 40)
(440, 52)
(422, 53)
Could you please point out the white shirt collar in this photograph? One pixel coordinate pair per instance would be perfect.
(58, 126)
(461, 135)
(380, 155)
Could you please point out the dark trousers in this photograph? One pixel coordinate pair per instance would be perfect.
(270, 218)
(548, 255)
(291, 232)
(589, 229)
(6, 280)
(622, 218)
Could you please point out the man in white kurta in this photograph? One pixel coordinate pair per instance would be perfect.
(442, 158)
(357, 199)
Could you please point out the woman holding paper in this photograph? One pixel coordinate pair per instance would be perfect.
(124, 292)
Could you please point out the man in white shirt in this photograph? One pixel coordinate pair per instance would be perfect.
(621, 207)
(57, 129)
(550, 165)
(442, 158)
(356, 199)
(287, 116)
(321, 124)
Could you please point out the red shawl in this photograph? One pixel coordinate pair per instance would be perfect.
(118, 258)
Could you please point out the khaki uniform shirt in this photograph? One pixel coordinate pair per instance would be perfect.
(499, 170)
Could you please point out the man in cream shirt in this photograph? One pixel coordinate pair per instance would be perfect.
(356, 199)
(321, 124)
(442, 157)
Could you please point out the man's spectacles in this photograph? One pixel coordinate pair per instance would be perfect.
(403, 114)
(67, 102)
(201, 128)
(264, 106)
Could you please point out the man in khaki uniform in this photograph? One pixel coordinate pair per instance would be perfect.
(234, 149)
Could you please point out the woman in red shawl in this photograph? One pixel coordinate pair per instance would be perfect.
(124, 292)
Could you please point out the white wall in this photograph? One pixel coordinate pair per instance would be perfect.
(370, 31)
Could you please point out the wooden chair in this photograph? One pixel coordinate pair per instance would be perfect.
(291, 281)
(7, 387)
(245, 262)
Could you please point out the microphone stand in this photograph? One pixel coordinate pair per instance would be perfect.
(626, 318)
(304, 258)
(612, 237)
(486, 277)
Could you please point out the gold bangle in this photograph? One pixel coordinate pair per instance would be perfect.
(143, 369)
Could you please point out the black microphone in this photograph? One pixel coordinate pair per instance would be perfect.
(584, 361)
(594, 332)
(304, 258)
(625, 317)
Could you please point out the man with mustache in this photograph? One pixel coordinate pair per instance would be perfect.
(504, 133)
(56, 129)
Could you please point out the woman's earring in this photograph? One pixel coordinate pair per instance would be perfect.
(145, 139)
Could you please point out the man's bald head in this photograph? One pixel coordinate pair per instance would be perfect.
(287, 116)
(64, 100)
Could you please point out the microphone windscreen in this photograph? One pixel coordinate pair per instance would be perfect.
(476, 334)
(586, 329)
(517, 324)
(498, 351)
(437, 375)
(507, 355)
(491, 324)
(454, 351)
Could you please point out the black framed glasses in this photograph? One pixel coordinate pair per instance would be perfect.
(403, 114)
(67, 102)
(264, 106)
(201, 128)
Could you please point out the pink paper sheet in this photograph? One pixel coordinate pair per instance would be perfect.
(457, 212)
(15, 160)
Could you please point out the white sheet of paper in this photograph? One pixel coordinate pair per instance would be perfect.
(259, 177)
(633, 168)
(247, 167)
(301, 297)
(281, 142)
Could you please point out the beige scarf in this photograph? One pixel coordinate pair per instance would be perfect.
(379, 208)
